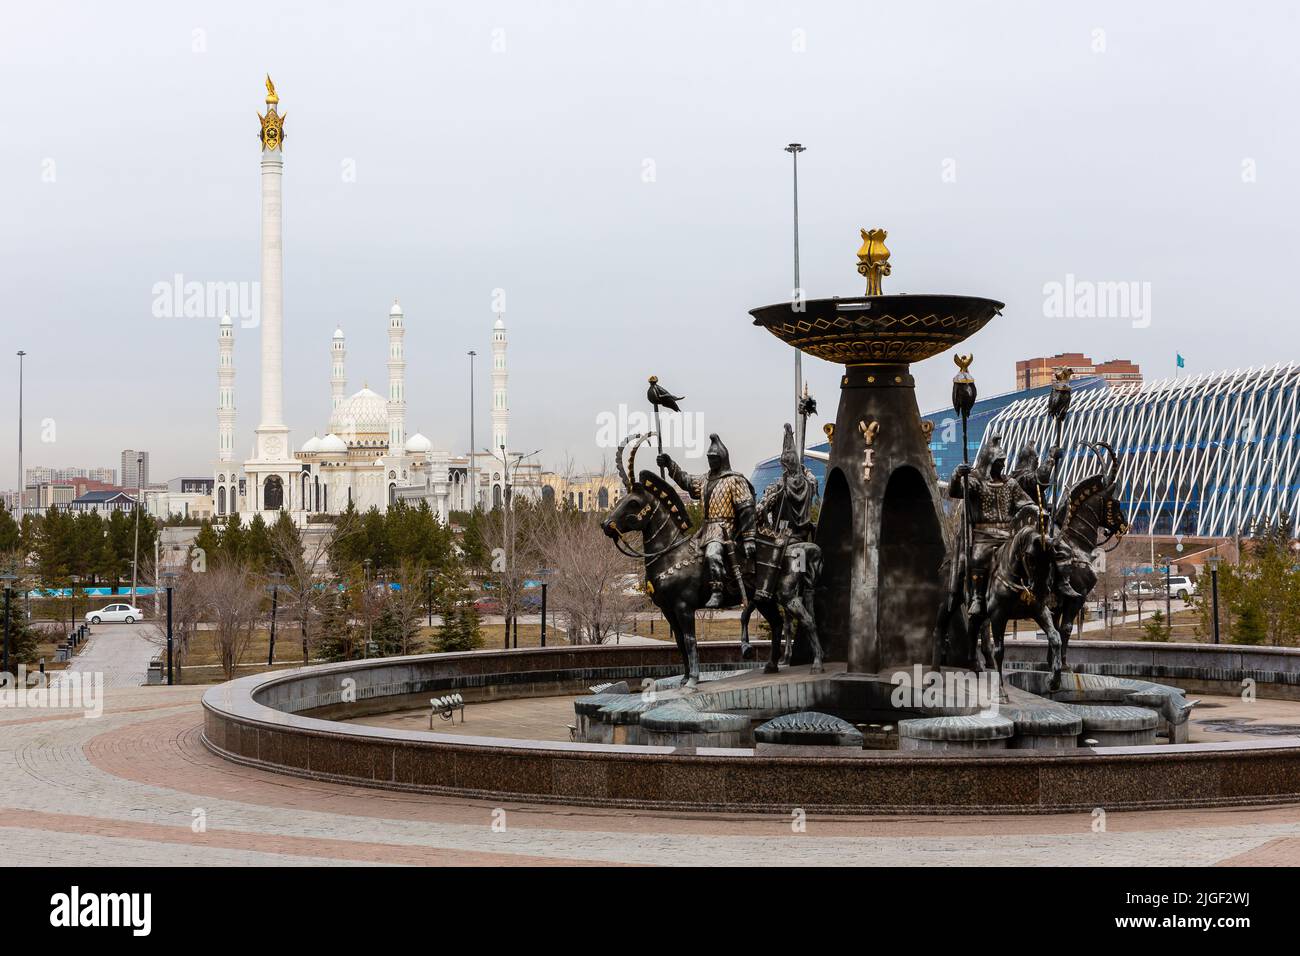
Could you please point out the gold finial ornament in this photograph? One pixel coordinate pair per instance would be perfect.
(873, 259)
(963, 363)
(272, 135)
(829, 429)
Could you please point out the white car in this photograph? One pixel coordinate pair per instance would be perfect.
(115, 614)
(1181, 586)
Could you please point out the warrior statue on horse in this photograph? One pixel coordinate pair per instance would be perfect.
(688, 572)
(1005, 573)
(1018, 568)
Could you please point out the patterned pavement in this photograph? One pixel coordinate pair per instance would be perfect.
(121, 652)
(136, 786)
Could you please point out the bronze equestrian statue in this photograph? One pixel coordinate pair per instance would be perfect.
(1036, 478)
(728, 510)
(1088, 518)
(1010, 563)
(682, 571)
(787, 565)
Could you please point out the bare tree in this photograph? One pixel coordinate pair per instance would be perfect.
(588, 577)
(234, 599)
(407, 603)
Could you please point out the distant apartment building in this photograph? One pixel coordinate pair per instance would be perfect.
(135, 468)
(39, 474)
(46, 494)
(1036, 372)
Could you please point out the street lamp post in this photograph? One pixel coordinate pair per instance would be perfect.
(794, 149)
(543, 614)
(1213, 561)
(9, 580)
(139, 501)
(428, 581)
(275, 599)
(170, 579)
(366, 599)
(507, 525)
(22, 479)
(1168, 599)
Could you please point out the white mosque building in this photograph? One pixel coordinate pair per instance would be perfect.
(364, 458)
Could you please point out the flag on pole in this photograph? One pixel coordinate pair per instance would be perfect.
(1182, 363)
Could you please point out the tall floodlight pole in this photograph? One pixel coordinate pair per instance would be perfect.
(473, 471)
(794, 149)
(139, 500)
(22, 479)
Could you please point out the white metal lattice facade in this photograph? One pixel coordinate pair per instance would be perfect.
(1206, 454)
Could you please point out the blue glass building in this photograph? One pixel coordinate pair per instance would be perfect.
(1208, 455)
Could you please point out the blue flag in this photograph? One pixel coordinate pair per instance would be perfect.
(1181, 362)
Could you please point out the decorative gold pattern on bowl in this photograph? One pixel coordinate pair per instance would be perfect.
(889, 329)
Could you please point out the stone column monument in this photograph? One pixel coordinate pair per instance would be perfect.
(271, 470)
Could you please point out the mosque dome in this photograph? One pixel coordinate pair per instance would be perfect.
(417, 444)
(226, 320)
(332, 444)
(364, 414)
(499, 324)
(311, 446)
(338, 333)
(396, 309)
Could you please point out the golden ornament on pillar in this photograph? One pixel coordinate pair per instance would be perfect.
(873, 259)
(272, 135)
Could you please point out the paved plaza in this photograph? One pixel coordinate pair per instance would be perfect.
(136, 786)
(121, 652)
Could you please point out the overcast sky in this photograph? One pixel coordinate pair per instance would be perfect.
(617, 169)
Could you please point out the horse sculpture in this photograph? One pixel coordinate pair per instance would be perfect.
(676, 570)
(1019, 588)
(1088, 518)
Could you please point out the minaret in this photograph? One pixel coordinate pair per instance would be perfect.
(338, 377)
(500, 407)
(226, 390)
(272, 435)
(396, 381)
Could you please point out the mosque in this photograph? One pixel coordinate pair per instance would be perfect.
(364, 458)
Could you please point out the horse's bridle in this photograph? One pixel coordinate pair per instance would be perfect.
(630, 550)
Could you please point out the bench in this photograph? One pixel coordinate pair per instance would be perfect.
(446, 707)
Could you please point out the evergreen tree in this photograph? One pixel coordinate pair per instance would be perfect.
(258, 550)
(207, 540)
(388, 631)
(1251, 627)
(10, 535)
(24, 646)
(234, 541)
(455, 602)
(1156, 627)
(339, 639)
(284, 537)
(115, 558)
(28, 532)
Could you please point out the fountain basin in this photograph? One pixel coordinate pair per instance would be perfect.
(879, 329)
